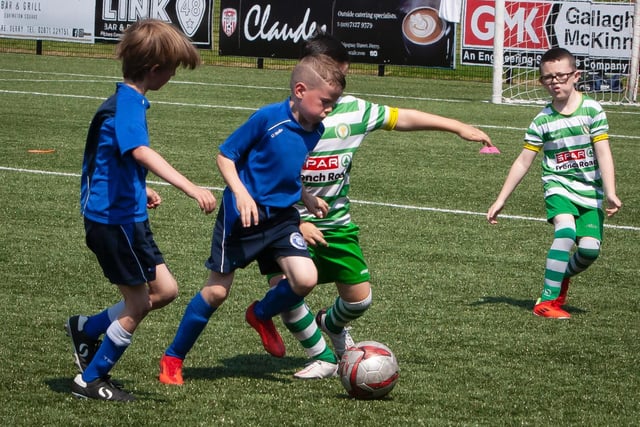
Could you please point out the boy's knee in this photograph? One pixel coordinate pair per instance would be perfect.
(565, 230)
(171, 294)
(303, 286)
(164, 294)
(589, 248)
(214, 295)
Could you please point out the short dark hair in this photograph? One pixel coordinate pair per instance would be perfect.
(323, 43)
(557, 54)
(313, 70)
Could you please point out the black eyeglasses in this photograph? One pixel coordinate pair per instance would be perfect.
(560, 77)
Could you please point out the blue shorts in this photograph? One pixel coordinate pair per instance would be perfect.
(127, 253)
(276, 235)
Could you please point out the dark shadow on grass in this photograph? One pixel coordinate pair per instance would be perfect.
(345, 396)
(256, 366)
(526, 304)
(260, 366)
(59, 385)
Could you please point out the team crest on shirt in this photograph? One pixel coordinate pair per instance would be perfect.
(343, 131)
(297, 241)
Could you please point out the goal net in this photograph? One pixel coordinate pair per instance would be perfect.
(604, 37)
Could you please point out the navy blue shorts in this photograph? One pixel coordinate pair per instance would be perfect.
(127, 253)
(277, 234)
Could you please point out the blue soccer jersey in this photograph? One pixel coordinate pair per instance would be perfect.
(113, 188)
(269, 150)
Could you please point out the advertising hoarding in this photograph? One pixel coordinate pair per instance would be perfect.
(598, 34)
(48, 20)
(409, 32)
(193, 17)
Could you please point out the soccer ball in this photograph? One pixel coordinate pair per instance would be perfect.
(368, 370)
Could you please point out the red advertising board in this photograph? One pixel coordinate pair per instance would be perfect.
(524, 24)
(598, 34)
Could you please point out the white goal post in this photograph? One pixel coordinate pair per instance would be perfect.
(604, 36)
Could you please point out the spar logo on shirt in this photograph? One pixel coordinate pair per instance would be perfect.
(319, 168)
(571, 155)
(323, 163)
(574, 159)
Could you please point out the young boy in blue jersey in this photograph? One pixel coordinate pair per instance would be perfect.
(257, 221)
(333, 239)
(114, 203)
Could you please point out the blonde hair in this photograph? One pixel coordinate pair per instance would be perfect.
(150, 42)
(314, 70)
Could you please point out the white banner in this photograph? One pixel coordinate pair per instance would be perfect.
(600, 35)
(62, 20)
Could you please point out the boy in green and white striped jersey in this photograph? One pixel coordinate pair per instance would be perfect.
(578, 177)
(332, 236)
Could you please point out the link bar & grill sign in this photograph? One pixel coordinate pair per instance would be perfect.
(61, 20)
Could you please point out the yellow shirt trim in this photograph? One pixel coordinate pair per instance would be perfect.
(601, 137)
(393, 119)
(532, 147)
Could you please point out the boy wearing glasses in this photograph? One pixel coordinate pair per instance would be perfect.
(577, 176)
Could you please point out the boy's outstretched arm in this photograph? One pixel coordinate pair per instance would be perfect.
(244, 202)
(517, 172)
(154, 162)
(410, 120)
(607, 171)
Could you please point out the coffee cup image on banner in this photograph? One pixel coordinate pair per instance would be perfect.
(424, 32)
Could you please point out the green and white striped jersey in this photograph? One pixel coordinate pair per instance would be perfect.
(326, 171)
(569, 164)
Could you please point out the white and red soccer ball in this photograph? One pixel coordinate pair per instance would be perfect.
(368, 370)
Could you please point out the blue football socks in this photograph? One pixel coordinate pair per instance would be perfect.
(194, 320)
(278, 299)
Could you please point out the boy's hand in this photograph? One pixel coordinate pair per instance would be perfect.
(205, 199)
(315, 205)
(312, 234)
(153, 199)
(494, 210)
(247, 208)
(613, 205)
(471, 133)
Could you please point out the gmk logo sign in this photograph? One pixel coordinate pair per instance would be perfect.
(524, 24)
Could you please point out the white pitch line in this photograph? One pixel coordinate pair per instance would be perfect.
(185, 82)
(361, 202)
(229, 107)
(182, 104)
